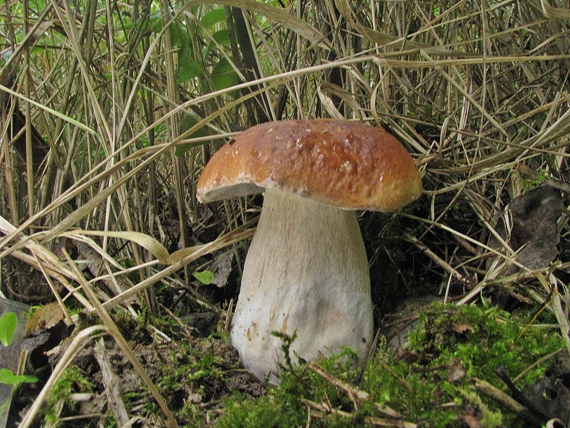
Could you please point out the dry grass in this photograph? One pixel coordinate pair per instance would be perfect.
(477, 91)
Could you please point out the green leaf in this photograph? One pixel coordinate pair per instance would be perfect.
(156, 22)
(205, 277)
(187, 123)
(223, 75)
(272, 13)
(9, 378)
(213, 17)
(190, 121)
(188, 68)
(222, 37)
(187, 65)
(179, 35)
(7, 327)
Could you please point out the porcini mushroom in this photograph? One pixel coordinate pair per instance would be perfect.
(306, 271)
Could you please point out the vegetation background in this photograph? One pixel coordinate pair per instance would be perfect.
(110, 110)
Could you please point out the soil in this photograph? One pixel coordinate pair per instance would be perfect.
(188, 370)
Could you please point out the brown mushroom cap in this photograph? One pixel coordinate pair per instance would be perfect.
(346, 164)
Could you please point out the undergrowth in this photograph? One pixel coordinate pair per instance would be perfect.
(110, 110)
(430, 383)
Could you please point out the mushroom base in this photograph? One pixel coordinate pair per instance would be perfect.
(306, 272)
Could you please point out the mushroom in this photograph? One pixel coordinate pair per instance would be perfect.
(306, 271)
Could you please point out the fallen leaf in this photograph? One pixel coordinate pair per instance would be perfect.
(462, 328)
(530, 227)
(455, 371)
(45, 318)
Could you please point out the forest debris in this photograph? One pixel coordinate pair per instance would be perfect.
(318, 410)
(354, 393)
(10, 355)
(549, 398)
(397, 325)
(222, 267)
(509, 402)
(202, 323)
(529, 227)
(13, 355)
(554, 12)
(455, 371)
(111, 383)
(45, 318)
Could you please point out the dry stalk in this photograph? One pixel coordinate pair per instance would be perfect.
(114, 331)
(356, 395)
(506, 400)
(323, 409)
(479, 95)
(111, 383)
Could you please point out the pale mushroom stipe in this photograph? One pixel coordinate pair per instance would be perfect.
(306, 271)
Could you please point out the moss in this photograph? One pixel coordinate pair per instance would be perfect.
(263, 412)
(429, 383)
(71, 381)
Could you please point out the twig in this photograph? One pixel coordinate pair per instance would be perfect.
(326, 409)
(353, 393)
(111, 383)
(500, 397)
(399, 379)
(438, 260)
(82, 338)
(120, 340)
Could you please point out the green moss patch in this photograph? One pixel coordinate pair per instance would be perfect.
(430, 383)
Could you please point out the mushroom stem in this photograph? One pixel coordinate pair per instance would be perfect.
(306, 272)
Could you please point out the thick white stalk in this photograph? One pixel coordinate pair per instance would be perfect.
(306, 272)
